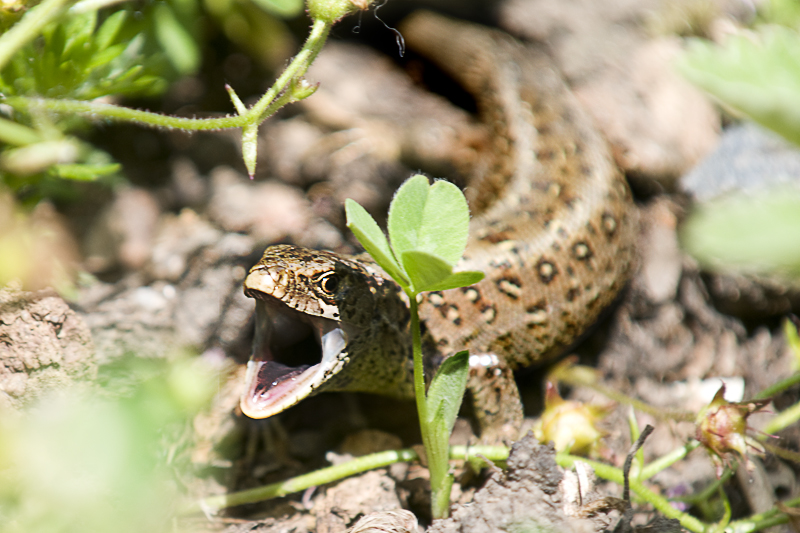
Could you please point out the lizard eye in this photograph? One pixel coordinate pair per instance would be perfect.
(329, 283)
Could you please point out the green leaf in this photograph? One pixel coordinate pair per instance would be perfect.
(406, 212)
(250, 147)
(83, 172)
(447, 391)
(373, 240)
(109, 30)
(176, 41)
(755, 75)
(105, 56)
(431, 219)
(78, 30)
(446, 222)
(17, 134)
(444, 400)
(425, 270)
(464, 278)
(754, 233)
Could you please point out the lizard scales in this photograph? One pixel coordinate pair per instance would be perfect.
(553, 230)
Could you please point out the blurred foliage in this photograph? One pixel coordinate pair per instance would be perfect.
(784, 12)
(134, 49)
(80, 59)
(790, 332)
(86, 56)
(757, 75)
(753, 233)
(10, 12)
(87, 460)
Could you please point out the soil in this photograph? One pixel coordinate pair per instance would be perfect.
(169, 254)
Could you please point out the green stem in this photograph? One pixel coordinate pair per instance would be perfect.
(719, 527)
(763, 520)
(708, 492)
(97, 110)
(664, 462)
(333, 473)
(436, 452)
(296, 69)
(29, 27)
(784, 419)
(419, 370)
(780, 386)
(296, 484)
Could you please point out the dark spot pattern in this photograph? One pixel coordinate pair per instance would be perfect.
(453, 315)
(547, 271)
(582, 251)
(511, 286)
(471, 293)
(609, 224)
(573, 293)
(489, 313)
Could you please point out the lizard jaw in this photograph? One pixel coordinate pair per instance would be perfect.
(272, 387)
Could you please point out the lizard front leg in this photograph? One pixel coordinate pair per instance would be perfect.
(495, 399)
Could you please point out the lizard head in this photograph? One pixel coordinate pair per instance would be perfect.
(309, 306)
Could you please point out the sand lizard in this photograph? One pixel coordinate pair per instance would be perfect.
(553, 228)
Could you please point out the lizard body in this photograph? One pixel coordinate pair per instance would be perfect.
(553, 230)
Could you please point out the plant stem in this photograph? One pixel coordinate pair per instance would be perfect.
(333, 473)
(779, 387)
(763, 520)
(296, 69)
(296, 484)
(665, 461)
(97, 110)
(29, 27)
(419, 370)
(784, 419)
(437, 452)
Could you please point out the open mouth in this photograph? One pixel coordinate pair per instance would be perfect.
(293, 354)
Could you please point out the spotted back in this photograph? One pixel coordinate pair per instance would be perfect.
(553, 225)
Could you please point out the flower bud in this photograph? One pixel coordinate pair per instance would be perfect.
(571, 426)
(722, 429)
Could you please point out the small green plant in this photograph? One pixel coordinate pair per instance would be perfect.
(88, 459)
(58, 57)
(428, 226)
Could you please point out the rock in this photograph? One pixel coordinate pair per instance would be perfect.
(269, 211)
(343, 503)
(44, 345)
(526, 497)
(123, 237)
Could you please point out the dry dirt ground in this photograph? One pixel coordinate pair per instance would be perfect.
(171, 249)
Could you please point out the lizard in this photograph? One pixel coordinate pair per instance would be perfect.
(553, 228)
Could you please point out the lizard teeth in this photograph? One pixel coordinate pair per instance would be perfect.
(333, 343)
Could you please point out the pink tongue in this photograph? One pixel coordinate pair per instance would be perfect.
(271, 373)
